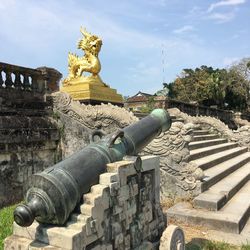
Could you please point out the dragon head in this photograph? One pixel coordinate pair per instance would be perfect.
(90, 43)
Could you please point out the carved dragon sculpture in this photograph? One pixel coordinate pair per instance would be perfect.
(171, 146)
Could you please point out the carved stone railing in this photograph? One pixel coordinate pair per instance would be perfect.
(40, 80)
(21, 78)
(27, 91)
(226, 116)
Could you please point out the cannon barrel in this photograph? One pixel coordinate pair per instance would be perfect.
(54, 193)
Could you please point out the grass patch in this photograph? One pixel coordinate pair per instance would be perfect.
(245, 247)
(6, 221)
(212, 245)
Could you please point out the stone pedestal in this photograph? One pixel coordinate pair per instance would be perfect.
(92, 91)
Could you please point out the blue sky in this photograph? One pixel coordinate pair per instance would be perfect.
(216, 33)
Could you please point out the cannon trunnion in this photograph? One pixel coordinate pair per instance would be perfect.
(54, 193)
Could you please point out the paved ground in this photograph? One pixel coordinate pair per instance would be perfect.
(198, 235)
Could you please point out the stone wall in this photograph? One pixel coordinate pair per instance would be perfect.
(28, 144)
(24, 150)
(121, 212)
(29, 135)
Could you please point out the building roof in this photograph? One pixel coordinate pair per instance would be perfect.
(140, 96)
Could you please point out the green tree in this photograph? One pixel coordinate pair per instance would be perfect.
(242, 68)
(208, 86)
(202, 85)
(237, 91)
(149, 106)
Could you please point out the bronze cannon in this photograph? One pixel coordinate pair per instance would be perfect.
(54, 193)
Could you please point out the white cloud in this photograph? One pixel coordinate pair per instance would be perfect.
(184, 29)
(213, 14)
(228, 61)
(225, 3)
(221, 17)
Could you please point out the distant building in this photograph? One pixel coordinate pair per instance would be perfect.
(141, 100)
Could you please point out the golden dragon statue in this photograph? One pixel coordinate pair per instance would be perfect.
(91, 45)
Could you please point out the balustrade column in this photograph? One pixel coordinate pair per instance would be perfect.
(8, 81)
(41, 80)
(34, 84)
(17, 82)
(1, 79)
(26, 83)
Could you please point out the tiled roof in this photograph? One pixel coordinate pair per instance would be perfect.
(137, 99)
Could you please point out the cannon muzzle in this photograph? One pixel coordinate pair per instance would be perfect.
(54, 193)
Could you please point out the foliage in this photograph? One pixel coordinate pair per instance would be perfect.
(203, 84)
(150, 105)
(208, 86)
(164, 91)
(237, 91)
(6, 221)
(245, 247)
(214, 245)
(243, 68)
(125, 98)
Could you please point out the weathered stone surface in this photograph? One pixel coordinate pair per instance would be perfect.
(28, 141)
(15, 242)
(78, 121)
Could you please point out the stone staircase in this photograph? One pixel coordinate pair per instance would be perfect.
(224, 202)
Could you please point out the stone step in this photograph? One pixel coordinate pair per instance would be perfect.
(206, 143)
(185, 213)
(75, 217)
(205, 137)
(231, 218)
(77, 221)
(245, 233)
(54, 236)
(201, 132)
(202, 152)
(86, 209)
(74, 225)
(212, 160)
(218, 172)
(107, 178)
(89, 198)
(220, 193)
(231, 238)
(98, 188)
(239, 206)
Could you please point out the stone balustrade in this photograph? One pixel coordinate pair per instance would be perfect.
(40, 80)
(21, 78)
(227, 116)
(197, 110)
